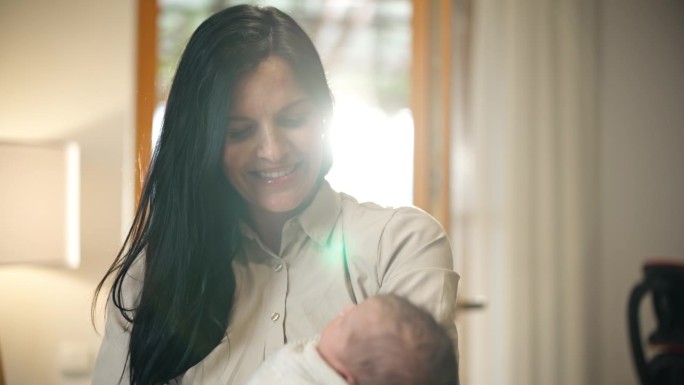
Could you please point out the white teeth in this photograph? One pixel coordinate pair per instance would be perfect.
(276, 174)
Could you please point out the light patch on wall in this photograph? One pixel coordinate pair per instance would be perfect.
(40, 204)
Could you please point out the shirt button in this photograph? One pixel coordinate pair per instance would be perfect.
(278, 267)
(275, 317)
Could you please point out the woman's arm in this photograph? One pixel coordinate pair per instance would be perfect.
(416, 262)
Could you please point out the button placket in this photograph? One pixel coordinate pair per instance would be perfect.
(277, 313)
(280, 281)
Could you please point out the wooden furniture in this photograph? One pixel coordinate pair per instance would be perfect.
(2, 373)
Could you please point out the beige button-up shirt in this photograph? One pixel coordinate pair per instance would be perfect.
(336, 252)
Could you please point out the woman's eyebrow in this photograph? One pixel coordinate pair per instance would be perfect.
(297, 103)
(304, 101)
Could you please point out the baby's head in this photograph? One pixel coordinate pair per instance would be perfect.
(388, 340)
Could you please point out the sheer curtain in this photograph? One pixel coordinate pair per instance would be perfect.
(524, 156)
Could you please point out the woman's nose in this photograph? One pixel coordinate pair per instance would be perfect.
(273, 145)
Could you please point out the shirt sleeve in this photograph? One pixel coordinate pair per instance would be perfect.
(416, 262)
(111, 365)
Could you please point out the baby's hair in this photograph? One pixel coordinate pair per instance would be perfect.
(411, 349)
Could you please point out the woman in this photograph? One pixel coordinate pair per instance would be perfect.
(239, 244)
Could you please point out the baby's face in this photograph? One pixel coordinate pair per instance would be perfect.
(353, 320)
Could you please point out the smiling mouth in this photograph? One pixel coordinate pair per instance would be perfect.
(271, 175)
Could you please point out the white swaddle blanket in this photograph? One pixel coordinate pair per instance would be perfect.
(297, 363)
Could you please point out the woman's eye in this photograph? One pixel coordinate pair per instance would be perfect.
(238, 133)
(294, 120)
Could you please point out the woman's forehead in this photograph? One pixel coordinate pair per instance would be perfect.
(271, 85)
(269, 73)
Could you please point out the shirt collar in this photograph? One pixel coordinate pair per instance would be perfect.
(318, 220)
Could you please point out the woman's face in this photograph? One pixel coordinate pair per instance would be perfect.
(274, 147)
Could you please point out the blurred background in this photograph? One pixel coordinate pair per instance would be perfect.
(546, 136)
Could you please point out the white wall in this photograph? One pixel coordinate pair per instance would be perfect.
(67, 72)
(642, 164)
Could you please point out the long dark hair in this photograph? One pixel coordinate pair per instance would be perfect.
(186, 227)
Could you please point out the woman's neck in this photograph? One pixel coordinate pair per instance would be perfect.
(269, 226)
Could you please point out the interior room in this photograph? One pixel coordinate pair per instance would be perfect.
(547, 137)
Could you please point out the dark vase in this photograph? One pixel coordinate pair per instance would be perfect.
(665, 281)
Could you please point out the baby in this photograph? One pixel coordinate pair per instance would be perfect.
(384, 340)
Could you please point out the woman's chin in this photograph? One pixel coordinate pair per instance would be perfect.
(286, 201)
(283, 205)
